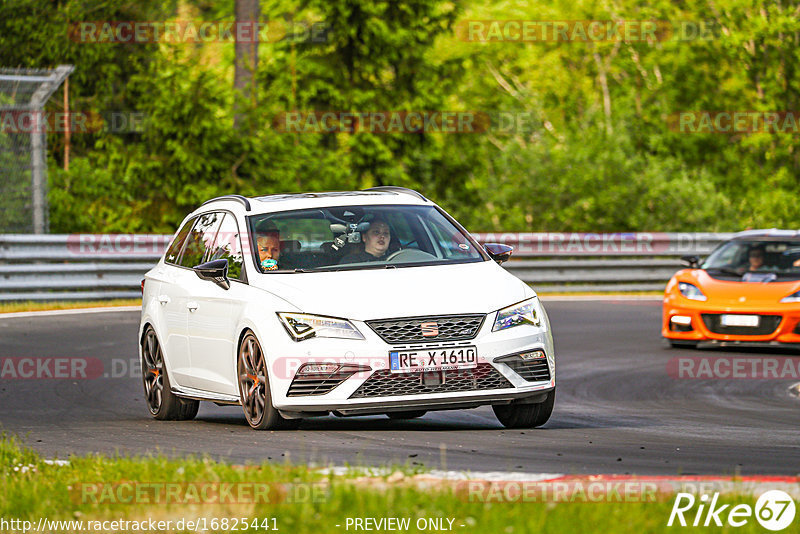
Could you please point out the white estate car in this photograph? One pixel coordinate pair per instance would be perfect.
(351, 303)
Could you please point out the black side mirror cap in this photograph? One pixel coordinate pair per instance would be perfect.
(499, 253)
(690, 261)
(214, 271)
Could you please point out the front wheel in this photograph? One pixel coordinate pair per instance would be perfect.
(254, 391)
(525, 415)
(162, 403)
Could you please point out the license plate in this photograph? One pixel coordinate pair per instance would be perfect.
(441, 359)
(739, 320)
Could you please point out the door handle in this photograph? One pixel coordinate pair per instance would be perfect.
(192, 306)
(163, 299)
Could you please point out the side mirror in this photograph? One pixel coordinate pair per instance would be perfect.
(499, 253)
(214, 271)
(690, 261)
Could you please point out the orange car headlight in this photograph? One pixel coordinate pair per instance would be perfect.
(691, 291)
(794, 297)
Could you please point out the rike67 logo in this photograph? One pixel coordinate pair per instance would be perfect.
(774, 510)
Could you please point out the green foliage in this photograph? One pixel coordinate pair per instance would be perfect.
(598, 153)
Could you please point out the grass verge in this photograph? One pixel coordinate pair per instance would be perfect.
(301, 500)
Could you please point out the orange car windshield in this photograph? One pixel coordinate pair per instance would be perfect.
(738, 257)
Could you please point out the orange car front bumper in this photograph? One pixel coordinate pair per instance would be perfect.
(777, 324)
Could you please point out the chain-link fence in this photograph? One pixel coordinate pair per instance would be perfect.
(23, 147)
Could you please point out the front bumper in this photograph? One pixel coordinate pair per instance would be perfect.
(778, 325)
(348, 399)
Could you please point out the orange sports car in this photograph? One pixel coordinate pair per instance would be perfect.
(747, 291)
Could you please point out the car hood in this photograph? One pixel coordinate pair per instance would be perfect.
(737, 293)
(479, 287)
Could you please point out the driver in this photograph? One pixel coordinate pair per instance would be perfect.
(268, 242)
(376, 244)
(756, 259)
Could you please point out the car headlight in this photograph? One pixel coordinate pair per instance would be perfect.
(691, 292)
(527, 312)
(794, 297)
(302, 326)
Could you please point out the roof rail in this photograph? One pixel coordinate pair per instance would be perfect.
(238, 198)
(397, 189)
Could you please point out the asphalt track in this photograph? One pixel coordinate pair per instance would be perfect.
(617, 410)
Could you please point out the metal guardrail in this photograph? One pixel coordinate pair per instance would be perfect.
(108, 266)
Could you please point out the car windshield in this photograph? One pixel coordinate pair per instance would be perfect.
(756, 258)
(358, 237)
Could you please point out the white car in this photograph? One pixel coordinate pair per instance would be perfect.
(351, 303)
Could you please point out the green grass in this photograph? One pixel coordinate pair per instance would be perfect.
(11, 307)
(54, 492)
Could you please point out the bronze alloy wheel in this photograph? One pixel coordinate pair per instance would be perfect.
(254, 391)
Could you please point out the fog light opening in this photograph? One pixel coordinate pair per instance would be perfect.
(534, 355)
(680, 323)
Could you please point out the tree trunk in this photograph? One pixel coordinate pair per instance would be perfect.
(246, 61)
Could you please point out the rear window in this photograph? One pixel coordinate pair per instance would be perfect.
(200, 240)
(174, 249)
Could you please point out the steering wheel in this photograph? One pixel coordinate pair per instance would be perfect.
(409, 254)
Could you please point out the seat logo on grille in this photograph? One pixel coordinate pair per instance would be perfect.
(430, 329)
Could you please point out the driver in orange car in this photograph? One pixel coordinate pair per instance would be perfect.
(756, 259)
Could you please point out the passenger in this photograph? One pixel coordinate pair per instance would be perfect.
(376, 244)
(268, 242)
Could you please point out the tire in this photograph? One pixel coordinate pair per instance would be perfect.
(411, 414)
(161, 402)
(525, 415)
(254, 392)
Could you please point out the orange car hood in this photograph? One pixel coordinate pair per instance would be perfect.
(737, 293)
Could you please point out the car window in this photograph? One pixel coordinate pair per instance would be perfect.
(451, 243)
(304, 233)
(359, 237)
(174, 249)
(739, 256)
(402, 229)
(227, 245)
(200, 240)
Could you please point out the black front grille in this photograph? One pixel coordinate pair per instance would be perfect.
(317, 384)
(410, 330)
(531, 370)
(766, 325)
(384, 383)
